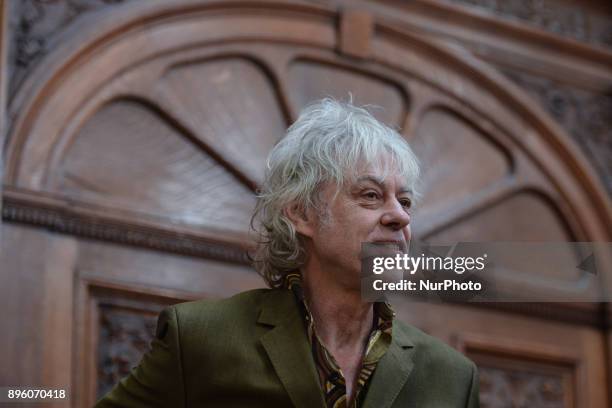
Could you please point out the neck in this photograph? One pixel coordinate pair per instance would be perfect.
(342, 319)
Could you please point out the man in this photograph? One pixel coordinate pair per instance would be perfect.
(339, 178)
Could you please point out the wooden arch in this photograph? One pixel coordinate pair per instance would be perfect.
(151, 126)
(148, 52)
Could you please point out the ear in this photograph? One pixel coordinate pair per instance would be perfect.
(301, 220)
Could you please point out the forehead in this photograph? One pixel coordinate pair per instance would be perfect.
(378, 173)
(388, 181)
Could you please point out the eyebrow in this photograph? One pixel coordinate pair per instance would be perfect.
(380, 182)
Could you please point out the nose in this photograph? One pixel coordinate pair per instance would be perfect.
(395, 216)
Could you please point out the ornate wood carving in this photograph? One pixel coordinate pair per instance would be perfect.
(35, 26)
(572, 21)
(124, 336)
(500, 388)
(57, 216)
(586, 115)
(522, 374)
(122, 326)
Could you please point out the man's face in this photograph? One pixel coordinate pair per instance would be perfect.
(369, 208)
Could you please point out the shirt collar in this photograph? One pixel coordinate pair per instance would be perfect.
(383, 311)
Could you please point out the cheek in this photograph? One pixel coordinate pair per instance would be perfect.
(407, 233)
(353, 225)
(361, 229)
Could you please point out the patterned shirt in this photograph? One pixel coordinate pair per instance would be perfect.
(330, 375)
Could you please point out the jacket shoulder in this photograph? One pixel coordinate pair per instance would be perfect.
(243, 304)
(216, 333)
(434, 352)
(439, 370)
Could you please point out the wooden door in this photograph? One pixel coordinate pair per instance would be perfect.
(137, 147)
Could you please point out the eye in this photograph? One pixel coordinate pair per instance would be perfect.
(371, 195)
(405, 202)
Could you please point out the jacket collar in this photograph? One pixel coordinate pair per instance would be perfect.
(392, 371)
(287, 346)
(288, 349)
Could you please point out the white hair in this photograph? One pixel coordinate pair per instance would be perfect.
(328, 141)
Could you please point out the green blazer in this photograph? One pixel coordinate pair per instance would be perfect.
(251, 350)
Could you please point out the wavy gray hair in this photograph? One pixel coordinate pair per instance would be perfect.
(327, 140)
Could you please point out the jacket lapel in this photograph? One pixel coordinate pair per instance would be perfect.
(392, 371)
(288, 349)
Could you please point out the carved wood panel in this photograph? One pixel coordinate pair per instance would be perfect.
(36, 26)
(524, 373)
(501, 387)
(128, 156)
(120, 324)
(586, 115)
(88, 165)
(561, 18)
(125, 335)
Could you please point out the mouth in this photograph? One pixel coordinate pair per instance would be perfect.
(399, 246)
